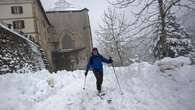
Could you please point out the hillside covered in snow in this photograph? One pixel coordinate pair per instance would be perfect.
(165, 85)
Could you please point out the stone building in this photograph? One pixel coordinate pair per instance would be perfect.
(27, 17)
(70, 39)
(63, 33)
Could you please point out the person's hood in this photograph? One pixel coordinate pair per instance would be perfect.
(94, 49)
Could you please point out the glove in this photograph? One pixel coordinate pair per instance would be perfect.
(86, 73)
(110, 60)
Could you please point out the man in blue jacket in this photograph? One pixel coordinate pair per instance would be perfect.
(95, 63)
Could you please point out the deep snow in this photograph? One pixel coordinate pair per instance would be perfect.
(145, 87)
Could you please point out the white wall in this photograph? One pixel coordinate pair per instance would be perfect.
(7, 17)
(6, 11)
(29, 25)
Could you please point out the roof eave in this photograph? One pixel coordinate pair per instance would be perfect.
(44, 12)
(53, 11)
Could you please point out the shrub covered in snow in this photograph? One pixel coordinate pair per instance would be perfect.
(17, 54)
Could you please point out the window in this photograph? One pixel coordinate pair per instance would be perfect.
(18, 24)
(17, 9)
(67, 42)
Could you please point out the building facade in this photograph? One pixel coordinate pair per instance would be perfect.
(70, 39)
(27, 17)
(64, 34)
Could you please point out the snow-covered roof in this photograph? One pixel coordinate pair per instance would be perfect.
(43, 11)
(19, 35)
(63, 5)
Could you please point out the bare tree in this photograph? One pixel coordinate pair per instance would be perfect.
(153, 21)
(111, 35)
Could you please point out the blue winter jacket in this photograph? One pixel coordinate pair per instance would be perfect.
(95, 62)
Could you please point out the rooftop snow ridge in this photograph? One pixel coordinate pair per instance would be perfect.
(63, 5)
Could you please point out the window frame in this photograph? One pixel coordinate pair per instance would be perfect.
(17, 10)
(19, 24)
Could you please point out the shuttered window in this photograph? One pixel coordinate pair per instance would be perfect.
(17, 9)
(18, 24)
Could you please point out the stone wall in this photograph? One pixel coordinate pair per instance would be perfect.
(70, 39)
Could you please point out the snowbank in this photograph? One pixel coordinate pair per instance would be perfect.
(145, 87)
(172, 63)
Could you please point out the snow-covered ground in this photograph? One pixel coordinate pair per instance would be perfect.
(145, 87)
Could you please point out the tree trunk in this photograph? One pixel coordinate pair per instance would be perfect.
(162, 42)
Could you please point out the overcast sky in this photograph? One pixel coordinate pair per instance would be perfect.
(96, 9)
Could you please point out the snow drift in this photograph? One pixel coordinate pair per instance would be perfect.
(145, 87)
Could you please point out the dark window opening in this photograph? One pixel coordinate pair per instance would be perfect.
(18, 24)
(17, 9)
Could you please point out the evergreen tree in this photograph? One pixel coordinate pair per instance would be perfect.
(178, 41)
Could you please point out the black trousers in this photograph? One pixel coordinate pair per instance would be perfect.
(99, 79)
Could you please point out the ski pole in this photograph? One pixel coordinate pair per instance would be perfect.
(117, 79)
(84, 83)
